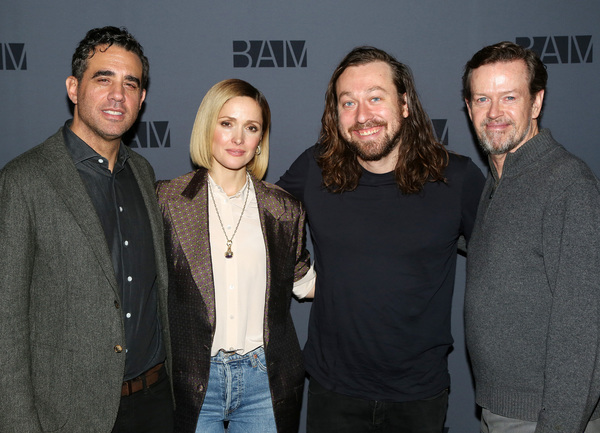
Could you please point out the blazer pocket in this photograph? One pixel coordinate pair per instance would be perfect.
(52, 372)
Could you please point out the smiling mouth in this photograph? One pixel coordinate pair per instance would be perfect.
(113, 113)
(367, 132)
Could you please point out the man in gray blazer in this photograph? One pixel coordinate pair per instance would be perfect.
(82, 269)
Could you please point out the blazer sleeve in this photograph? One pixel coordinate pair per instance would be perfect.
(17, 249)
(302, 254)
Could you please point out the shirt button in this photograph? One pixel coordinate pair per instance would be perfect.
(117, 305)
(231, 287)
(231, 317)
(120, 209)
(100, 161)
(129, 279)
(228, 227)
(126, 243)
(128, 315)
(118, 348)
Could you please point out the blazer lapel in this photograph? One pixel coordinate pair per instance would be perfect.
(270, 209)
(145, 183)
(64, 178)
(189, 216)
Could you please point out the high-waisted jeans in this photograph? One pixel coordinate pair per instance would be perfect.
(238, 392)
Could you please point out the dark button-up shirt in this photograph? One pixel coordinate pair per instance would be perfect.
(123, 215)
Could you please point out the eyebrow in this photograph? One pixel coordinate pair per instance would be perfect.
(505, 92)
(109, 73)
(369, 90)
(235, 118)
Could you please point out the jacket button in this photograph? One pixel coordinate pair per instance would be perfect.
(200, 388)
(118, 348)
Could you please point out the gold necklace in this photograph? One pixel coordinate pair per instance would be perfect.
(229, 253)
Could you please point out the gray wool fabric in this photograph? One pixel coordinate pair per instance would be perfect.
(532, 305)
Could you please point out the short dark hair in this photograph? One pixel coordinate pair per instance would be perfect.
(422, 158)
(507, 52)
(108, 36)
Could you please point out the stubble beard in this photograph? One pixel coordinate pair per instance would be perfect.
(494, 144)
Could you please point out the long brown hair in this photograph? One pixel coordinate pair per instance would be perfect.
(421, 158)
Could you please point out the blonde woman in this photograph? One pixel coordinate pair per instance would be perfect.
(236, 254)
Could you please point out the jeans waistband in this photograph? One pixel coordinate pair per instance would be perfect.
(223, 356)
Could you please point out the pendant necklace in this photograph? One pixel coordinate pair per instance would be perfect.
(229, 253)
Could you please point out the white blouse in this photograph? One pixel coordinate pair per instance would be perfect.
(240, 281)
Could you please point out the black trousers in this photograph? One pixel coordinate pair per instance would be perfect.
(147, 411)
(330, 412)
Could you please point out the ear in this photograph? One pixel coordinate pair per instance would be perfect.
(538, 100)
(142, 98)
(72, 85)
(469, 109)
(404, 106)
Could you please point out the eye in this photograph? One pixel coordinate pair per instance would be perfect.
(375, 99)
(481, 100)
(510, 98)
(253, 128)
(226, 123)
(347, 104)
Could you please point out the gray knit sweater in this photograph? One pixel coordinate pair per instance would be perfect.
(532, 304)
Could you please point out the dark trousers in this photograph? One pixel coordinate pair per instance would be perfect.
(330, 412)
(147, 411)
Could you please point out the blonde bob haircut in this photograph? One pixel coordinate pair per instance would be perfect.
(206, 122)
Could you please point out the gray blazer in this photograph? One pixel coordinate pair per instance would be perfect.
(60, 317)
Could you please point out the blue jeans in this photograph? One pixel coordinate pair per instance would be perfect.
(238, 392)
(492, 423)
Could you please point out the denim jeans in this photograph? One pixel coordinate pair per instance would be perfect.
(492, 423)
(330, 412)
(238, 392)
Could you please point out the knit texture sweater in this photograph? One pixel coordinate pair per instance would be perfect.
(533, 288)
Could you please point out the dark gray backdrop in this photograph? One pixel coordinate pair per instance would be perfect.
(192, 44)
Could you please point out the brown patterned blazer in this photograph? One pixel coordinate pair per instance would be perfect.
(184, 204)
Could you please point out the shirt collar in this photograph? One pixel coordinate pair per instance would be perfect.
(80, 151)
(241, 194)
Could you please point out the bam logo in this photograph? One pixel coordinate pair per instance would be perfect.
(440, 127)
(13, 57)
(269, 54)
(149, 134)
(560, 49)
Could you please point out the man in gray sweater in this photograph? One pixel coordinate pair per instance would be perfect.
(532, 310)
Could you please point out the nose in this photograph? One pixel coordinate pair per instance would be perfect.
(238, 136)
(363, 113)
(495, 110)
(117, 93)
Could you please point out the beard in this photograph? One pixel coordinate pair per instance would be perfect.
(376, 149)
(499, 143)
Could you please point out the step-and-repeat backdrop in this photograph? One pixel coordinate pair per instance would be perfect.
(288, 50)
